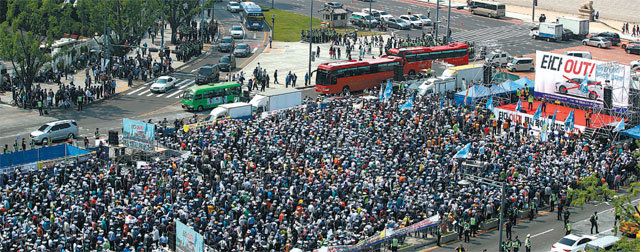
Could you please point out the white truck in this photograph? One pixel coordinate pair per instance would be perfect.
(276, 99)
(452, 79)
(579, 26)
(236, 110)
(547, 31)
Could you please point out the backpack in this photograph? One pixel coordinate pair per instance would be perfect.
(592, 219)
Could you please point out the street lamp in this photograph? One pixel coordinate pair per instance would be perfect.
(273, 29)
(490, 182)
(310, 37)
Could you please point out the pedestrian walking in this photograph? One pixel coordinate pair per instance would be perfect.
(527, 243)
(438, 234)
(567, 228)
(295, 78)
(594, 222)
(318, 52)
(306, 79)
(275, 77)
(566, 215)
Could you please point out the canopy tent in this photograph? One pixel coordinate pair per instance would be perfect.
(479, 92)
(632, 132)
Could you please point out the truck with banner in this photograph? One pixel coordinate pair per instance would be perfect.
(581, 81)
(138, 135)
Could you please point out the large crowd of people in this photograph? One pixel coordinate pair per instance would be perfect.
(302, 178)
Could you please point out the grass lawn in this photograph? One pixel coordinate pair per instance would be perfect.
(289, 25)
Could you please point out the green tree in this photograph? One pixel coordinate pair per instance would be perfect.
(29, 25)
(179, 12)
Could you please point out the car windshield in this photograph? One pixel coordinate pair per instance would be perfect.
(226, 40)
(413, 18)
(384, 13)
(234, 4)
(237, 28)
(400, 20)
(204, 71)
(187, 95)
(423, 16)
(514, 61)
(43, 127)
(242, 46)
(224, 59)
(567, 241)
(161, 81)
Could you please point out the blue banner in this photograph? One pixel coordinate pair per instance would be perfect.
(188, 240)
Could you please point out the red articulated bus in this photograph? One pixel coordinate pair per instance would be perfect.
(354, 75)
(416, 58)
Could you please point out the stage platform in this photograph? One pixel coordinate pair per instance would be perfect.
(597, 120)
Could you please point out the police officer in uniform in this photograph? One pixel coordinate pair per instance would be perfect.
(593, 220)
(515, 244)
(394, 244)
(527, 243)
(567, 228)
(439, 234)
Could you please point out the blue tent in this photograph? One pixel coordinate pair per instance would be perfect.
(479, 92)
(632, 132)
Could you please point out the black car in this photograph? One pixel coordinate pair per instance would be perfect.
(226, 44)
(635, 49)
(611, 36)
(227, 63)
(567, 34)
(208, 74)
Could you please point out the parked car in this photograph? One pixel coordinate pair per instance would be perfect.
(227, 63)
(237, 32)
(572, 87)
(498, 58)
(333, 5)
(520, 64)
(226, 44)
(379, 15)
(611, 36)
(626, 43)
(567, 34)
(162, 84)
(579, 54)
(208, 74)
(415, 22)
(398, 23)
(603, 243)
(597, 42)
(635, 49)
(571, 243)
(425, 20)
(233, 6)
(242, 50)
(54, 131)
(363, 20)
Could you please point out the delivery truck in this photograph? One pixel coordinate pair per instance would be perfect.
(236, 110)
(452, 79)
(276, 99)
(547, 31)
(579, 26)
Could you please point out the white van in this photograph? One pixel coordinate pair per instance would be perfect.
(605, 243)
(520, 64)
(579, 54)
(498, 58)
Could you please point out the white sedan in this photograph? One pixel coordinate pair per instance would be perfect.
(415, 22)
(163, 84)
(571, 243)
(237, 32)
(425, 20)
(233, 6)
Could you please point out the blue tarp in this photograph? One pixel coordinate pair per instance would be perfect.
(479, 92)
(632, 132)
(40, 154)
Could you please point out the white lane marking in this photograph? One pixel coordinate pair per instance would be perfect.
(254, 50)
(140, 94)
(542, 233)
(174, 93)
(190, 83)
(150, 94)
(194, 70)
(137, 90)
(182, 82)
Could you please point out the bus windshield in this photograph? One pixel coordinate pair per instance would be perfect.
(187, 95)
(322, 77)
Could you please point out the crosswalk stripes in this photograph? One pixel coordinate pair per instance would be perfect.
(492, 33)
(145, 90)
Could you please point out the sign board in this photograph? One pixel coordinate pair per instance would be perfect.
(188, 240)
(536, 125)
(138, 135)
(580, 81)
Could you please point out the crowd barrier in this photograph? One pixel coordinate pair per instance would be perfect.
(30, 159)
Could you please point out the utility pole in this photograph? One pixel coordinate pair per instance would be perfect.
(202, 24)
(533, 11)
(271, 4)
(437, 24)
(371, 16)
(106, 40)
(162, 28)
(310, 37)
(448, 23)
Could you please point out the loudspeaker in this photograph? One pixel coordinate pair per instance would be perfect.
(486, 74)
(607, 97)
(113, 138)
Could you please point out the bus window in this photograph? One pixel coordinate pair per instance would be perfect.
(218, 92)
(198, 97)
(322, 77)
(187, 95)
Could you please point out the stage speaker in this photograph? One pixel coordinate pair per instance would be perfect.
(607, 97)
(486, 74)
(113, 138)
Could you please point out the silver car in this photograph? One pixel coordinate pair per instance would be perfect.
(55, 131)
(233, 6)
(597, 42)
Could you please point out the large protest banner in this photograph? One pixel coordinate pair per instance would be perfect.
(138, 135)
(188, 240)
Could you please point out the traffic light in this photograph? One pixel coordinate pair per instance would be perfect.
(535, 2)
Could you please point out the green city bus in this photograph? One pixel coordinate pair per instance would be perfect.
(210, 96)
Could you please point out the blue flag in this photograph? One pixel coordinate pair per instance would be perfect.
(538, 113)
(381, 91)
(584, 87)
(441, 102)
(519, 105)
(569, 122)
(543, 132)
(619, 126)
(490, 104)
(388, 91)
(465, 152)
(407, 105)
(553, 119)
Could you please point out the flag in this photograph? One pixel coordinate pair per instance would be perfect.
(569, 122)
(490, 104)
(381, 91)
(388, 91)
(584, 87)
(553, 119)
(543, 133)
(619, 126)
(465, 152)
(441, 102)
(519, 105)
(407, 105)
(465, 96)
(538, 113)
